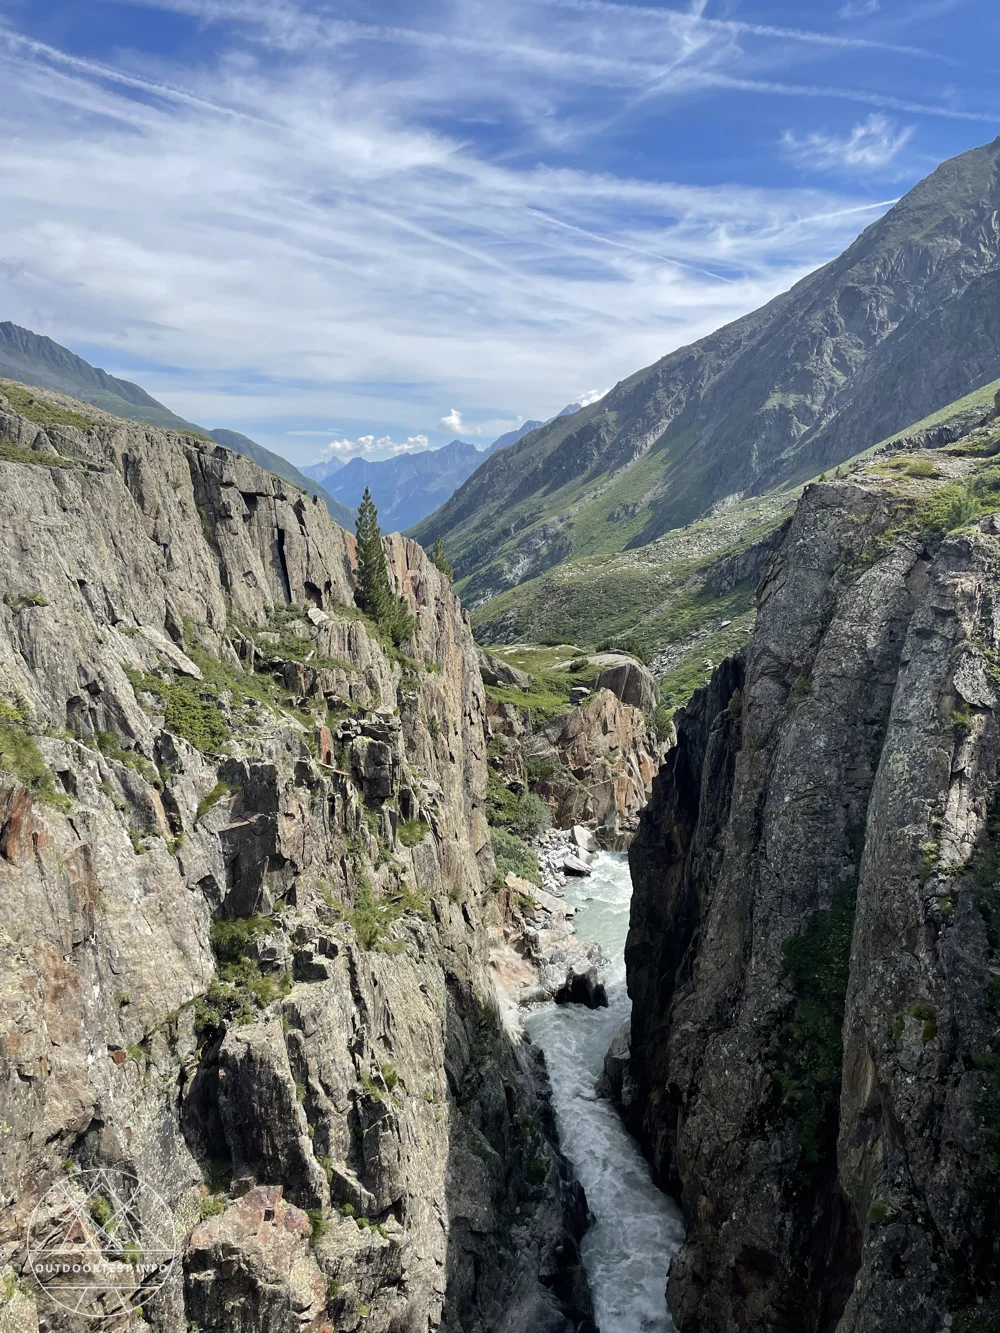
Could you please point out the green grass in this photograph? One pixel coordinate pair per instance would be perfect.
(940, 510)
(652, 596)
(207, 802)
(189, 709)
(231, 940)
(13, 453)
(689, 672)
(27, 403)
(372, 919)
(512, 854)
(20, 755)
(412, 832)
(524, 814)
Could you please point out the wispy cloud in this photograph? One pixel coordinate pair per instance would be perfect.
(591, 396)
(869, 146)
(308, 224)
(453, 422)
(372, 447)
(854, 9)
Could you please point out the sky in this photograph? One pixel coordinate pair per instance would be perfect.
(356, 227)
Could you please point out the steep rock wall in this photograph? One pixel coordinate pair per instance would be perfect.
(814, 940)
(243, 923)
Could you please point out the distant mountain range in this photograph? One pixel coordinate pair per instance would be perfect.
(33, 359)
(410, 486)
(905, 321)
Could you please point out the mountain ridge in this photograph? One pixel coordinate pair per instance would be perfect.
(39, 361)
(905, 320)
(411, 485)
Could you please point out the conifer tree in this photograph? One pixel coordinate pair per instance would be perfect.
(375, 595)
(441, 560)
(373, 577)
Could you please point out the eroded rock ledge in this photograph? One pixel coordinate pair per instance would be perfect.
(814, 940)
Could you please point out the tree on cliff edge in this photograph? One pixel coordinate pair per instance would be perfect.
(374, 594)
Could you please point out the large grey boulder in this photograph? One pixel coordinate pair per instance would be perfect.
(495, 672)
(631, 682)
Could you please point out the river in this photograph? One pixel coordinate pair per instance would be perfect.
(636, 1228)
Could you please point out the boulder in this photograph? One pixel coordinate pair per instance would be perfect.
(496, 672)
(577, 865)
(584, 838)
(630, 682)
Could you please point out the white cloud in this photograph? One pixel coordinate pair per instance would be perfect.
(453, 422)
(855, 9)
(372, 447)
(871, 145)
(591, 396)
(271, 237)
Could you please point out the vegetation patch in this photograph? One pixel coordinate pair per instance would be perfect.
(375, 593)
(412, 832)
(20, 755)
(27, 403)
(220, 790)
(511, 853)
(372, 919)
(524, 815)
(805, 1054)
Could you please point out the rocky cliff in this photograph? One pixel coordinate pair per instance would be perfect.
(243, 920)
(592, 763)
(813, 952)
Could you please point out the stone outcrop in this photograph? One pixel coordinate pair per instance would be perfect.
(814, 937)
(244, 934)
(593, 764)
(632, 683)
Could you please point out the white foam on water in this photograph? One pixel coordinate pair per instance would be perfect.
(636, 1228)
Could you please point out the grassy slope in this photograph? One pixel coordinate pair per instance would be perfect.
(676, 437)
(658, 594)
(655, 594)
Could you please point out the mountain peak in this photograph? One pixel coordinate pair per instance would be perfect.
(905, 320)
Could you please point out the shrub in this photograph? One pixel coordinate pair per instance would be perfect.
(190, 709)
(231, 940)
(526, 815)
(20, 755)
(662, 723)
(626, 643)
(212, 1206)
(512, 854)
(412, 832)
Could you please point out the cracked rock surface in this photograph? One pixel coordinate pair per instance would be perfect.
(244, 933)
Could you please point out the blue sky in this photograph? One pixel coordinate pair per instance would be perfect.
(389, 223)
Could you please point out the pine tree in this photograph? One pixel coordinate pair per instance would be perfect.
(375, 595)
(441, 560)
(373, 577)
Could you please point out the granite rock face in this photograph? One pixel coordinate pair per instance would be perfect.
(813, 944)
(593, 764)
(244, 935)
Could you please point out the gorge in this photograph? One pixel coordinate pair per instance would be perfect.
(286, 941)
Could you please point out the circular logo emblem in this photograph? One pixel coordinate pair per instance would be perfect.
(101, 1243)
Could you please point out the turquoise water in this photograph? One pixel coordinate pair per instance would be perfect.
(636, 1228)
